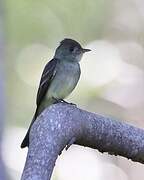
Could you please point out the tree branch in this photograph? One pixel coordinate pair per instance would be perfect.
(61, 125)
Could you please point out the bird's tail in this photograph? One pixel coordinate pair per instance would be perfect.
(25, 142)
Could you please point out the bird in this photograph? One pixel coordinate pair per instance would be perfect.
(59, 78)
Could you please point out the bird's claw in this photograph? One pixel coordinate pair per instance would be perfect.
(56, 100)
(63, 101)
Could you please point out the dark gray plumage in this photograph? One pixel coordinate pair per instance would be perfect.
(59, 78)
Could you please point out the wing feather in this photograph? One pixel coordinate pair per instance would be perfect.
(46, 78)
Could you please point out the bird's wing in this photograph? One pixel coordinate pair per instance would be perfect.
(46, 78)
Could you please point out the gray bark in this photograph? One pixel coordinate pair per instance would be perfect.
(61, 125)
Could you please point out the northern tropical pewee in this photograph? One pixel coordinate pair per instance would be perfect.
(59, 78)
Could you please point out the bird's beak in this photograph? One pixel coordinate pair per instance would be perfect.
(86, 50)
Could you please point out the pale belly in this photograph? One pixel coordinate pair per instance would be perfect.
(64, 82)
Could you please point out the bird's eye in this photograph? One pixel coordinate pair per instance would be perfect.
(71, 49)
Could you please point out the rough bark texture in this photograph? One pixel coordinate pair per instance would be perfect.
(61, 125)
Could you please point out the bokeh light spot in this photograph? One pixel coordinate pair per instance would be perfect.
(102, 64)
(31, 61)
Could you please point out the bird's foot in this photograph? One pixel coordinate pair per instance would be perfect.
(57, 100)
(63, 101)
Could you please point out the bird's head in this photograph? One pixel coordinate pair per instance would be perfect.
(70, 50)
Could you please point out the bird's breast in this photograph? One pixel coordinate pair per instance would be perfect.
(65, 80)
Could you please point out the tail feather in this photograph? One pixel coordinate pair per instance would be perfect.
(25, 142)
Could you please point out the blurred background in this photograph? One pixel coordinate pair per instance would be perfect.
(112, 79)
